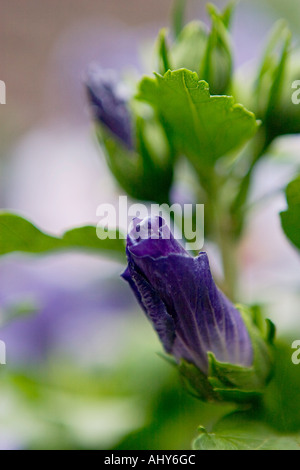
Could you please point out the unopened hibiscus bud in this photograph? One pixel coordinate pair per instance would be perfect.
(135, 145)
(109, 103)
(207, 53)
(286, 118)
(196, 323)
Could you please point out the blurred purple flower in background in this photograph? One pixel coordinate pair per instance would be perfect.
(72, 320)
(177, 292)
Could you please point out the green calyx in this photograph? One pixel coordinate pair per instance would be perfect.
(146, 172)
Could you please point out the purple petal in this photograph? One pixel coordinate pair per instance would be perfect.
(152, 305)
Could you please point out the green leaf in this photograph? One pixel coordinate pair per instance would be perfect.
(202, 126)
(20, 235)
(290, 219)
(236, 433)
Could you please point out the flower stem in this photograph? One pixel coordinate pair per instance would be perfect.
(228, 248)
(223, 231)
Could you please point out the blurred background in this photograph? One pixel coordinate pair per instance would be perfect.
(80, 355)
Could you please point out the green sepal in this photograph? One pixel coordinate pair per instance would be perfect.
(269, 82)
(287, 117)
(196, 382)
(188, 51)
(270, 93)
(178, 16)
(217, 66)
(163, 52)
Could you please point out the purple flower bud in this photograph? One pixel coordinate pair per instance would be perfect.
(178, 294)
(109, 103)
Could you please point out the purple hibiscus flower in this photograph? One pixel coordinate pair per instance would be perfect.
(178, 294)
(109, 102)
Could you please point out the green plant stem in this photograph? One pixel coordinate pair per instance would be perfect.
(228, 249)
(224, 238)
(228, 221)
(231, 222)
(238, 207)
